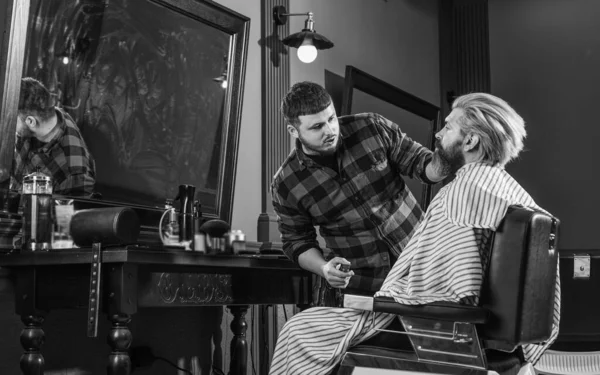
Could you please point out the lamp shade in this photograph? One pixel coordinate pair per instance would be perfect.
(319, 41)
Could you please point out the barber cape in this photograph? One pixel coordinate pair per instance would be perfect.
(447, 256)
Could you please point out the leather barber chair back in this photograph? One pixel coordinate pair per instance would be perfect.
(516, 308)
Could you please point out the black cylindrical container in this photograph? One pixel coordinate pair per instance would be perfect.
(186, 212)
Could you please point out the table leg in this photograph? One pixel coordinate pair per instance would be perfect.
(119, 339)
(239, 347)
(32, 339)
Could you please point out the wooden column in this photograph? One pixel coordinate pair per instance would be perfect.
(464, 49)
(275, 148)
(12, 52)
(471, 32)
(275, 138)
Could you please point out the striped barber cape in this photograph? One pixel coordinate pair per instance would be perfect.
(445, 260)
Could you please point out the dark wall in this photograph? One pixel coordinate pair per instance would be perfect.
(545, 60)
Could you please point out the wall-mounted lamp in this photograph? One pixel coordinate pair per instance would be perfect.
(307, 41)
(222, 79)
(64, 58)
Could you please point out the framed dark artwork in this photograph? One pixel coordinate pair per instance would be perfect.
(416, 117)
(155, 87)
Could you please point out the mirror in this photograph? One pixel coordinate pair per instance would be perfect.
(416, 117)
(155, 88)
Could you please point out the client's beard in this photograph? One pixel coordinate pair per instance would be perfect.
(449, 160)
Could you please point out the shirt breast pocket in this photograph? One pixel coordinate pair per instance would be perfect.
(380, 165)
(376, 177)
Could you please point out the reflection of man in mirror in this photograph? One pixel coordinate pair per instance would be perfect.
(346, 176)
(49, 141)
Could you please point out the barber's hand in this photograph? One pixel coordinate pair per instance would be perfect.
(333, 275)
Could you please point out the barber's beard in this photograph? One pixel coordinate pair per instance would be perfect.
(448, 160)
(320, 149)
(24, 132)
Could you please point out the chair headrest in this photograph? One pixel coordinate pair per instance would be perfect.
(109, 226)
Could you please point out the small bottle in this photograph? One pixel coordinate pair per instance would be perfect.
(171, 233)
(236, 241)
(200, 241)
(199, 244)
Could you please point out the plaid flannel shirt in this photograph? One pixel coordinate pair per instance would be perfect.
(65, 158)
(365, 212)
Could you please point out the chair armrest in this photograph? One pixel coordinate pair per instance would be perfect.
(447, 311)
(358, 302)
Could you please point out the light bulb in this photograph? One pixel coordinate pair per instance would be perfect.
(224, 84)
(65, 60)
(307, 52)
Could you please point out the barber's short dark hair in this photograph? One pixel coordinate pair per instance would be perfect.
(304, 98)
(35, 99)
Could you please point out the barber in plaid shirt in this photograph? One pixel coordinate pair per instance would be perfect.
(345, 176)
(48, 140)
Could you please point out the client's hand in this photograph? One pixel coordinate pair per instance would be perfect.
(334, 276)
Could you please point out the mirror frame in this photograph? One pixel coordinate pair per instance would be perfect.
(207, 12)
(360, 80)
(12, 54)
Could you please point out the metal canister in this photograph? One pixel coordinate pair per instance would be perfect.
(37, 212)
(236, 241)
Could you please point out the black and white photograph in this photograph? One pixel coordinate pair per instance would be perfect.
(315, 187)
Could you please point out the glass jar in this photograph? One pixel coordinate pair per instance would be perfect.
(37, 212)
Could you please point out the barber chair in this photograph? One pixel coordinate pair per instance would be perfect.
(516, 308)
